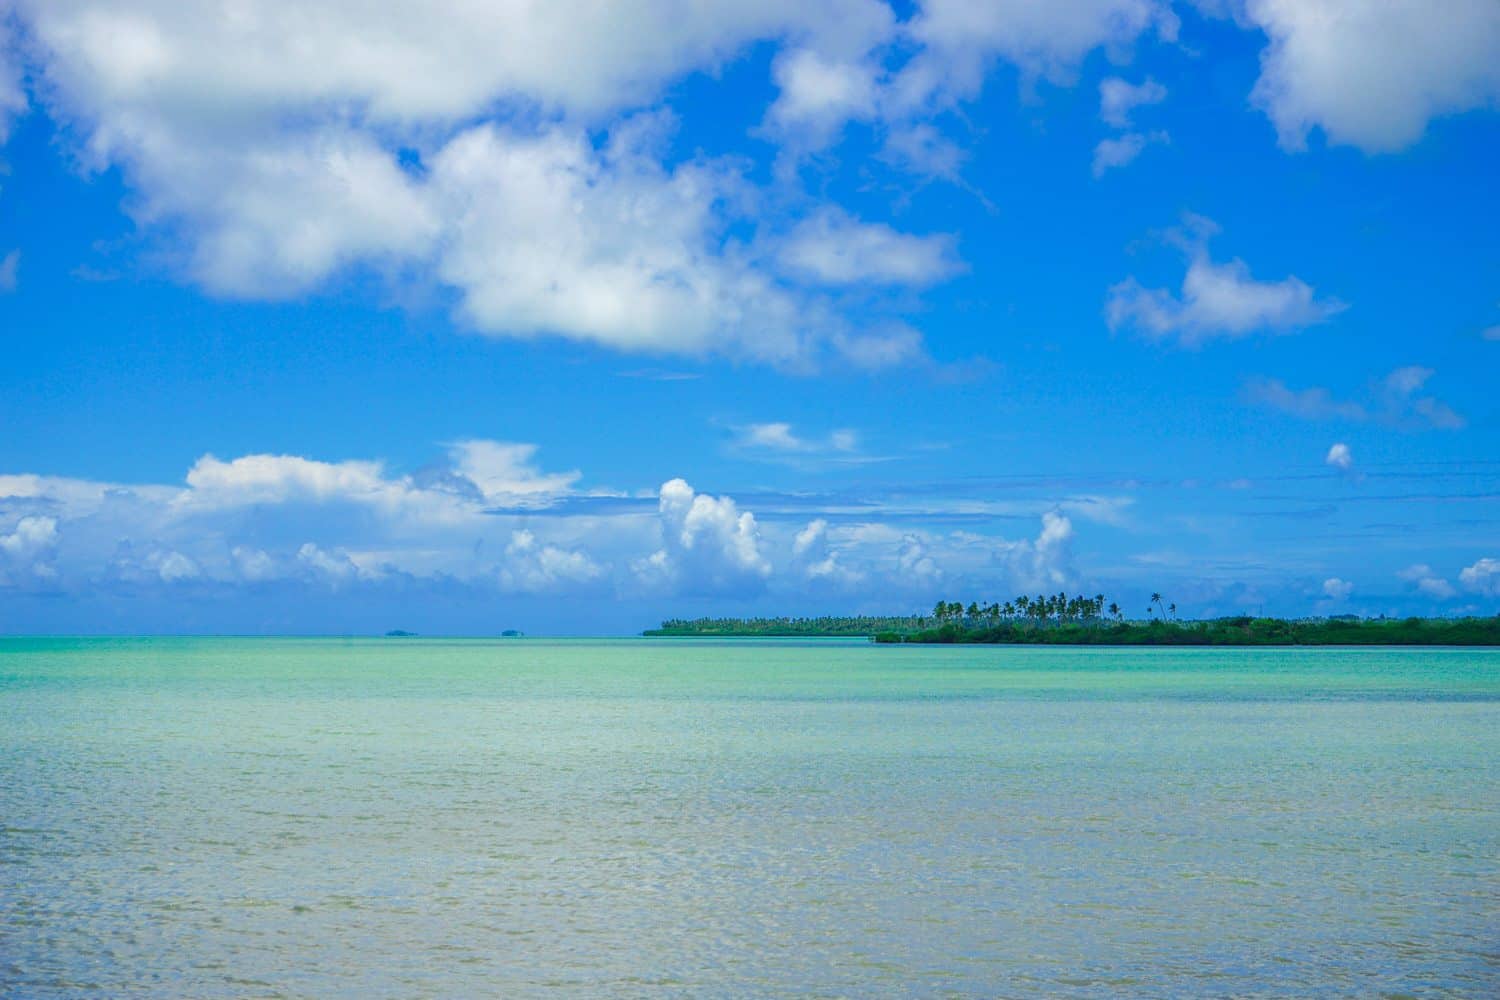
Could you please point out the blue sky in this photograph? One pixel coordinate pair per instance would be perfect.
(573, 318)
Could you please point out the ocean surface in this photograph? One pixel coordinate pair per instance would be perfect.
(404, 817)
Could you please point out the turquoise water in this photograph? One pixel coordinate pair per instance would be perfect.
(367, 818)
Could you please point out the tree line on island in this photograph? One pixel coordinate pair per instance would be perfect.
(1041, 610)
(1058, 619)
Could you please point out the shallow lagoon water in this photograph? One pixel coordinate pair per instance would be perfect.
(228, 817)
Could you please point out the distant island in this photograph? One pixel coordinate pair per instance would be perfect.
(398, 633)
(1060, 620)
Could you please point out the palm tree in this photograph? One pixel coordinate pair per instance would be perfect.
(1172, 609)
(1156, 599)
(1114, 609)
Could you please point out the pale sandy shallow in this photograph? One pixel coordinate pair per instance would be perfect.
(202, 818)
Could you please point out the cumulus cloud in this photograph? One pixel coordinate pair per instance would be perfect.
(815, 558)
(419, 61)
(506, 472)
(1483, 577)
(1337, 590)
(1373, 74)
(1428, 581)
(915, 564)
(1216, 301)
(1045, 562)
(258, 519)
(708, 544)
(534, 567)
(551, 236)
(1396, 399)
(1340, 457)
(331, 566)
(255, 479)
(459, 144)
(959, 40)
(253, 565)
(26, 549)
(819, 95)
(276, 523)
(834, 248)
(1118, 98)
(174, 566)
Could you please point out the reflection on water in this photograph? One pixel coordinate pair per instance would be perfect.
(204, 818)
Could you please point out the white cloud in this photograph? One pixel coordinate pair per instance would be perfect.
(433, 60)
(479, 473)
(780, 437)
(1315, 403)
(30, 535)
(174, 566)
(1337, 590)
(1401, 402)
(1393, 399)
(1119, 98)
(1340, 457)
(27, 549)
(919, 148)
(833, 248)
(289, 525)
(960, 39)
(506, 472)
(1122, 150)
(334, 567)
(252, 564)
(534, 567)
(1428, 582)
(12, 94)
(1373, 74)
(886, 346)
(285, 144)
(817, 560)
(550, 236)
(1491, 333)
(819, 96)
(708, 544)
(1483, 577)
(255, 479)
(1217, 301)
(9, 265)
(915, 564)
(1046, 562)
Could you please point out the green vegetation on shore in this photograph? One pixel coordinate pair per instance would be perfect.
(1083, 621)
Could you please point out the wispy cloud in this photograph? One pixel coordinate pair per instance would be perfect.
(1396, 400)
(9, 268)
(780, 437)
